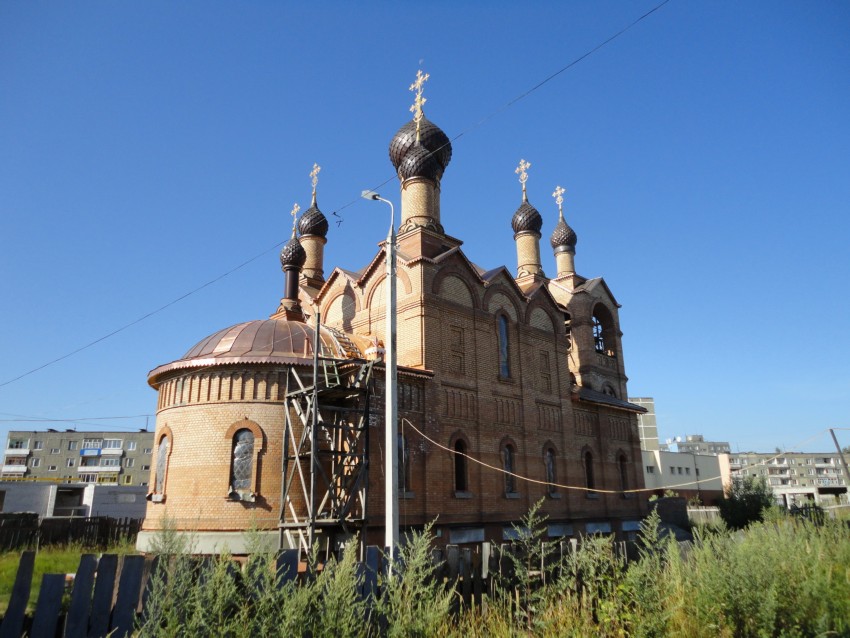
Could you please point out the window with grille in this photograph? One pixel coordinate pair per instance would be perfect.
(241, 466)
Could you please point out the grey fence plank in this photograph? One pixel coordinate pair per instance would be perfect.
(49, 604)
(453, 570)
(466, 576)
(151, 573)
(129, 590)
(477, 578)
(373, 565)
(287, 565)
(77, 621)
(104, 589)
(13, 623)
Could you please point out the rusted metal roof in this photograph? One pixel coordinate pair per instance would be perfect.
(265, 341)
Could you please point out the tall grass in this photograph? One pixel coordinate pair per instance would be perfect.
(783, 577)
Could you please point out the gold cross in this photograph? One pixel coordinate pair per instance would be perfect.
(419, 102)
(522, 171)
(559, 199)
(294, 212)
(314, 178)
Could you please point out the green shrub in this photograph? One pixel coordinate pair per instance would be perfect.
(746, 499)
(414, 602)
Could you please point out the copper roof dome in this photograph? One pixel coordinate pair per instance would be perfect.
(431, 155)
(293, 254)
(269, 341)
(313, 222)
(526, 218)
(563, 236)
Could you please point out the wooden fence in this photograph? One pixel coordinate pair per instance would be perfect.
(26, 530)
(107, 594)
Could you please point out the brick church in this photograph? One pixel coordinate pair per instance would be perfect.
(511, 389)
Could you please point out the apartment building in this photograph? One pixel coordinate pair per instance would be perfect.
(696, 444)
(109, 458)
(796, 477)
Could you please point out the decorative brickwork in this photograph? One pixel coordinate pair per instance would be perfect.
(486, 362)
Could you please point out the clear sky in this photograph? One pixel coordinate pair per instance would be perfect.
(147, 148)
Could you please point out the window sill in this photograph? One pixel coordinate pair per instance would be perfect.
(511, 494)
(244, 497)
(463, 494)
(554, 495)
(406, 495)
(593, 496)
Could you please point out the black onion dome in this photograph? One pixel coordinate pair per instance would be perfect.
(313, 222)
(526, 218)
(563, 236)
(293, 254)
(431, 138)
(420, 162)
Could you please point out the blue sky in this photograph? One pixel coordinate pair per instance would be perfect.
(147, 148)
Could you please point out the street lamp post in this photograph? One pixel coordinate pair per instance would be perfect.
(391, 383)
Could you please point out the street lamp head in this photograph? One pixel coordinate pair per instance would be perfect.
(370, 195)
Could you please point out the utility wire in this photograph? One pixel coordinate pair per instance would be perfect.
(478, 124)
(583, 488)
(143, 317)
(517, 99)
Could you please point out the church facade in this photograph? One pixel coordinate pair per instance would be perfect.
(511, 386)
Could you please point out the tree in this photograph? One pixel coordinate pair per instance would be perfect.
(746, 499)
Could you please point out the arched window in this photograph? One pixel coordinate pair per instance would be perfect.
(161, 465)
(549, 465)
(461, 483)
(588, 471)
(403, 464)
(508, 464)
(610, 391)
(598, 335)
(242, 464)
(623, 467)
(504, 348)
(604, 336)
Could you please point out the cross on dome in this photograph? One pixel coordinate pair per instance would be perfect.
(419, 101)
(294, 213)
(314, 178)
(522, 171)
(559, 199)
(314, 175)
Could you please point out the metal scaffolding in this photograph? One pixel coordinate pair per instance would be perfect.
(325, 453)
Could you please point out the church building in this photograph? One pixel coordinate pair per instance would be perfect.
(511, 389)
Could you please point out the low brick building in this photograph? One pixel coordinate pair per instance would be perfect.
(512, 388)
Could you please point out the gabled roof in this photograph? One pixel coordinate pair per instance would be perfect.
(456, 251)
(536, 288)
(492, 275)
(591, 284)
(336, 274)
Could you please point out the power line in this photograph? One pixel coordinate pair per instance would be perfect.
(516, 99)
(478, 124)
(584, 488)
(143, 317)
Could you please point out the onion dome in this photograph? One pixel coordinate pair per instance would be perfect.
(526, 218)
(313, 222)
(428, 158)
(420, 162)
(563, 237)
(293, 255)
(265, 341)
